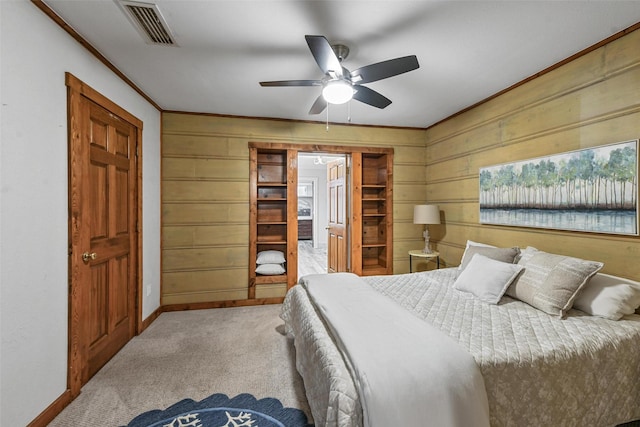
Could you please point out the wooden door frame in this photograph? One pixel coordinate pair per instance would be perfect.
(77, 351)
(355, 217)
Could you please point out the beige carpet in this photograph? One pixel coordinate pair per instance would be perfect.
(192, 354)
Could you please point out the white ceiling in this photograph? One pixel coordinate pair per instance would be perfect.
(467, 50)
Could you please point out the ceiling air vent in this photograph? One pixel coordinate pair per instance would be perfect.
(149, 22)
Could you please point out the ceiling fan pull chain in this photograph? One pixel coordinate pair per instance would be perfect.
(349, 112)
(328, 117)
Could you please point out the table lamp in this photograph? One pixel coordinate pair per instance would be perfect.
(426, 214)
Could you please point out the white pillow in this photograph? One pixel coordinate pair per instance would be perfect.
(487, 278)
(499, 254)
(472, 243)
(270, 269)
(608, 296)
(270, 257)
(551, 282)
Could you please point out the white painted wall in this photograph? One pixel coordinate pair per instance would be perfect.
(35, 54)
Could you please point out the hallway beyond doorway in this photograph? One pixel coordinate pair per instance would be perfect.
(310, 260)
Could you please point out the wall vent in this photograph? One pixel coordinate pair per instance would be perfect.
(149, 22)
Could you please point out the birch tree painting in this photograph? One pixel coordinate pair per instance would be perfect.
(594, 190)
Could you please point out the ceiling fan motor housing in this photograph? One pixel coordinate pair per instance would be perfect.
(341, 51)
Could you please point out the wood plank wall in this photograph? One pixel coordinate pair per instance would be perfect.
(205, 197)
(591, 101)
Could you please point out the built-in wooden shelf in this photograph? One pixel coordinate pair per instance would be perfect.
(373, 225)
(273, 213)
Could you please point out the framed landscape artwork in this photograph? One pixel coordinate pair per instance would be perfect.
(592, 190)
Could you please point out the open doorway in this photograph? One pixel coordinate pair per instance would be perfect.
(314, 210)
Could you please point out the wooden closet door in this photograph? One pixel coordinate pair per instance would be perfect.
(104, 234)
(109, 213)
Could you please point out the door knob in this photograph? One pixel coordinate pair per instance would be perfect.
(88, 256)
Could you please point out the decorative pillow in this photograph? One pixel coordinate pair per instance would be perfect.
(471, 243)
(487, 278)
(526, 254)
(270, 257)
(608, 296)
(498, 254)
(551, 282)
(270, 269)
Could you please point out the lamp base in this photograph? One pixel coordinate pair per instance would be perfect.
(427, 250)
(427, 247)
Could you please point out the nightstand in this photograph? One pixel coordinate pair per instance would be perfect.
(429, 256)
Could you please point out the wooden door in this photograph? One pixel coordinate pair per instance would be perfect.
(111, 313)
(104, 251)
(337, 254)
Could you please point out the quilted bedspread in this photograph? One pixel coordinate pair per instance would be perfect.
(371, 331)
(538, 370)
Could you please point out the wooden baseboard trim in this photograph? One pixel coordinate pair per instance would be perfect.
(222, 304)
(52, 410)
(149, 320)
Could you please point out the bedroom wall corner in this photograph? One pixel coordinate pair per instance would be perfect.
(590, 101)
(205, 196)
(36, 53)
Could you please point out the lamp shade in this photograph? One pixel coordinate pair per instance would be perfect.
(426, 214)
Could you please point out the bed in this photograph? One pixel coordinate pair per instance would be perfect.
(540, 365)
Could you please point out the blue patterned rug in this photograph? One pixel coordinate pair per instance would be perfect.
(218, 410)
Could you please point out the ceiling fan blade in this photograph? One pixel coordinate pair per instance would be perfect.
(292, 83)
(385, 69)
(370, 96)
(318, 106)
(324, 55)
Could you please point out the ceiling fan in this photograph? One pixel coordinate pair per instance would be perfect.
(339, 85)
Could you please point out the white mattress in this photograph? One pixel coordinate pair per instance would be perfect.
(538, 370)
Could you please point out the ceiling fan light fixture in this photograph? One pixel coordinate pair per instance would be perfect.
(339, 85)
(337, 92)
